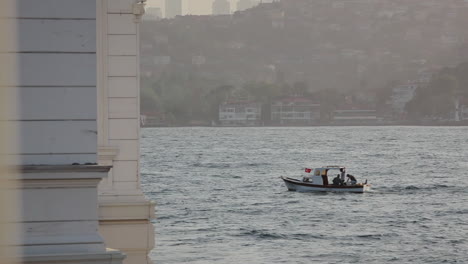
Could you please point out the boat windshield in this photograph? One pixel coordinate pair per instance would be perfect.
(333, 169)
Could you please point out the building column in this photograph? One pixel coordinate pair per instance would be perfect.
(59, 219)
(52, 91)
(125, 214)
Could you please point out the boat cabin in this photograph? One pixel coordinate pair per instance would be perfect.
(320, 175)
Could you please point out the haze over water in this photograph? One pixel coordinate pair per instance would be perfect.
(220, 199)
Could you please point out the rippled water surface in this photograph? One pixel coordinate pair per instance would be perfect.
(220, 200)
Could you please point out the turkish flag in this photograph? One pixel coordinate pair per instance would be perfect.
(308, 170)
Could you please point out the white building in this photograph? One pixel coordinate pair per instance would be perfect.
(243, 113)
(295, 111)
(355, 117)
(464, 112)
(78, 116)
(462, 109)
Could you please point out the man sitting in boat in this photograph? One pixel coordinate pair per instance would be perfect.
(337, 180)
(351, 179)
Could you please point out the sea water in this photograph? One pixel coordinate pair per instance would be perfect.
(220, 199)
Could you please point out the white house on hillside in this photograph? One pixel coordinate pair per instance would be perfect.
(243, 113)
(295, 111)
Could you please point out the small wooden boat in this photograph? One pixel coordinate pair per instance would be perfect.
(319, 182)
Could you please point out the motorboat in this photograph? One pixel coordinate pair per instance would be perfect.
(318, 181)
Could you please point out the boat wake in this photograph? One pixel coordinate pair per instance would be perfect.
(417, 189)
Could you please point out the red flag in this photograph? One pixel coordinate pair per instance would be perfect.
(308, 170)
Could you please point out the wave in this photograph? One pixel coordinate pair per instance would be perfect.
(371, 236)
(212, 165)
(262, 234)
(227, 176)
(414, 188)
(226, 165)
(268, 235)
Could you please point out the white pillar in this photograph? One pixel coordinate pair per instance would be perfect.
(124, 212)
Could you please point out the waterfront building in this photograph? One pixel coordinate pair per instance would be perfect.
(78, 126)
(173, 8)
(464, 111)
(154, 119)
(242, 113)
(295, 111)
(461, 108)
(354, 116)
(221, 7)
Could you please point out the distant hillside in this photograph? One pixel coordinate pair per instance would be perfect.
(328, 43)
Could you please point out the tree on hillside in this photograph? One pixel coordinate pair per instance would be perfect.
(215, 97)
(263, 93)
(436, 100)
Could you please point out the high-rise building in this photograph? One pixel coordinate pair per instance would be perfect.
(221, 7)
(244, 4)
(173, 8)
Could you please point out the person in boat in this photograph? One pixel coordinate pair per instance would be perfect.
(351, 179)
(337, 180)
(343, 174)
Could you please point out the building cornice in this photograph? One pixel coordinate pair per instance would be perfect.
(61, 168)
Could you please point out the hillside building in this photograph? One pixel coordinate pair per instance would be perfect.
(295, 111)
(240, 113)
(461, 108)
(354, 116)
(464, 111)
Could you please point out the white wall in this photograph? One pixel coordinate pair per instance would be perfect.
(56, 124)
(56, 82)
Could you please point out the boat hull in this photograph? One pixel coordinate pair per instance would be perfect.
(300, 186)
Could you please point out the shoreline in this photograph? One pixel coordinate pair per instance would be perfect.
(454, 124)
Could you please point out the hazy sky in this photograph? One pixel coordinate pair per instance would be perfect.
(195, 7)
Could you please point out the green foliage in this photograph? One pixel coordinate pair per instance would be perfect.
(187, 97)
(437, 99)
